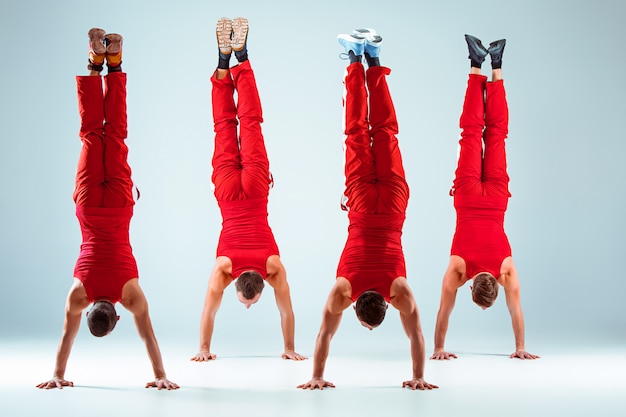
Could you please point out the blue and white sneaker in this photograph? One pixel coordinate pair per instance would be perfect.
(372, 41)
(352, 43)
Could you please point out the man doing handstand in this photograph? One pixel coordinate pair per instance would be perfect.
(247, 252)
(106, 271)
(371, 269)
(480, 248)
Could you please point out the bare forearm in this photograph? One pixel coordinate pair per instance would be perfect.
(70, 330)
(63, 354)
(331, 318)
(287, 320)
(441, 329)
(413, 330)
(517, 320)
(287, 323)
(207, 322)
(206, 332)
(418, 355)
(322, 347)
(154, 353)
(146, 333)
(446, 305)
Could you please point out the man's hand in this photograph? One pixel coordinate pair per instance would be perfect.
(290, 354)
(316, 383)
(418, 383)
(55, 382)
(522, 354)
(162, 383)
(443, 356)
(204, 356)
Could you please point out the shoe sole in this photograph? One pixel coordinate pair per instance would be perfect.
(114, 49)
(374, 41)
(240, 33)
(223, 32)
(352, 39)
(96, 42)
(476, 46)
(370, 35)
(496, 47)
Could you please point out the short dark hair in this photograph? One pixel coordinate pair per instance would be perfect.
(102, 318)
(371, 308)
(249, 284)
(485, 289)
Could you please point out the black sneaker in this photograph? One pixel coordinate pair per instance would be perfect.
(496, 49)
(477, 52)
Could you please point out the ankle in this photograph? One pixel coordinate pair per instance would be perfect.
(114, 68)
(95, 67)
(221, 73)
(242, 55)
(354, 58)
(223, 61)
(372, 61)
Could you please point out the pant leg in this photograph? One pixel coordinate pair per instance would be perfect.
(118, 185)
(89, 188)
(392, 186)
(226, 160)
(495, 176)
(361, 193)
(255, 167)
(468, 178)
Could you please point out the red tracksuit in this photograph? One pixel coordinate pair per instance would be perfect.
(241, 172)
(103, 193)
(480, 188)
(376, 194)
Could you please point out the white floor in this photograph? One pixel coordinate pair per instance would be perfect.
(109, 380)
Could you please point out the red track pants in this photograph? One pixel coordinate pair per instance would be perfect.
(375, 179)
(103, 176)
(240, 164)
(485, 118)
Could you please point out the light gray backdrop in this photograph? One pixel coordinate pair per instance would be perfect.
(564, 72)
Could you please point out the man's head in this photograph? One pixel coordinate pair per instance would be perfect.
(249, 286)
(370, 309)
(102, 318)
(484, 289)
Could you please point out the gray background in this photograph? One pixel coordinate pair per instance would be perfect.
(563, 68)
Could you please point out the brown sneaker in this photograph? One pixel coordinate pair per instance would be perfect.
(240, 33)
(114, 49)
(224, 31)
(97, 50)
